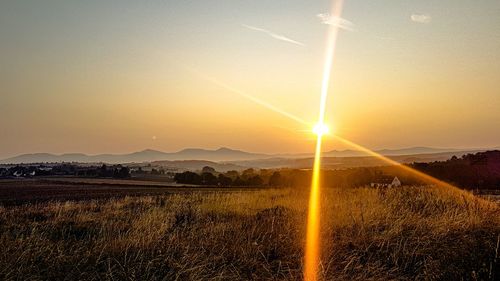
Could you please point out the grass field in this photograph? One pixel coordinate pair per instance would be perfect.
(411, 233)
(17, 192)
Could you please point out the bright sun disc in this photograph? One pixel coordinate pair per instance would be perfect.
(321, 129)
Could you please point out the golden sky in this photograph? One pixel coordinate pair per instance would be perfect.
(121, 76)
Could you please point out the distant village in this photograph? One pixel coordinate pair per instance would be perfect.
(471, 171)
(82, 170)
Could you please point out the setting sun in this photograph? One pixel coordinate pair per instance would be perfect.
(321, 129)
(250, 140)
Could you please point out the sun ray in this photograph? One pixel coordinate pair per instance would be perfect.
(350, 143)
(249, 97)
(412, 171)
(312, 253)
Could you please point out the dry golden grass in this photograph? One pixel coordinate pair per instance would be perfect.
(412, 233)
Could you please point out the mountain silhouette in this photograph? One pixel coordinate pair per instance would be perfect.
(147, 155)
(218, 155)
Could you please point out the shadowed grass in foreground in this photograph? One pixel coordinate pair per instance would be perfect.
(368, 234)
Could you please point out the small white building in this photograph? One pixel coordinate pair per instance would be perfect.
(386, 181)
(395, 182)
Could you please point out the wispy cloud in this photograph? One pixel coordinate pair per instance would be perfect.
(336, 21)
(347, 25)
(421, 18)
(273, 35)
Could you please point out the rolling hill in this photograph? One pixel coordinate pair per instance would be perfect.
(148, 155)
(237, 157)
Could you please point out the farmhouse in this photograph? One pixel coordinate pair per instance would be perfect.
(386, 181)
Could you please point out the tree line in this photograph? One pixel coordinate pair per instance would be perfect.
(103, 171)
(249, 177)
(471, 171)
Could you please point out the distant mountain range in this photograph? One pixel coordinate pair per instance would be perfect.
(218, 155)
(148, 155)
(344, 162)
(394, 152)
(197, 165)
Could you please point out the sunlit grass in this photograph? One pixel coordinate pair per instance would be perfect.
(367, 234)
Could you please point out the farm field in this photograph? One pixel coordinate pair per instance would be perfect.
(114, 232)
(250, 140)
(21, 191)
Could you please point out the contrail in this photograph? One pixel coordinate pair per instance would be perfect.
(273, 35)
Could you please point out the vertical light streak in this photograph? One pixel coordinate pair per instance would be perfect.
(330, 51)
(313, 219)
(312, 252)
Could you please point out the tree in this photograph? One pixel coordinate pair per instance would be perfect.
(239, 182)
(224, 181)
(103, 171)
(255, 181)
(208, 169)
(120, 172)
(188, 178)
(232, 174)
(208, 178)
(275, 179)
(248, 172)
(123, 173)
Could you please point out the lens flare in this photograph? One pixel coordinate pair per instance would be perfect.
(312, 249)
(321, 129)
(312, 253)
(247, 96)
(313, 219)
(410, 170)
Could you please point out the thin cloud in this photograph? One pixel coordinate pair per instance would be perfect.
(273, 35)
(347, 25)
(421, 18)
(336, 21)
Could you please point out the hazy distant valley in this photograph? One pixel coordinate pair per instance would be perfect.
(224, 159)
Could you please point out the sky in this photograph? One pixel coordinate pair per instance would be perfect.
(110, 76)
